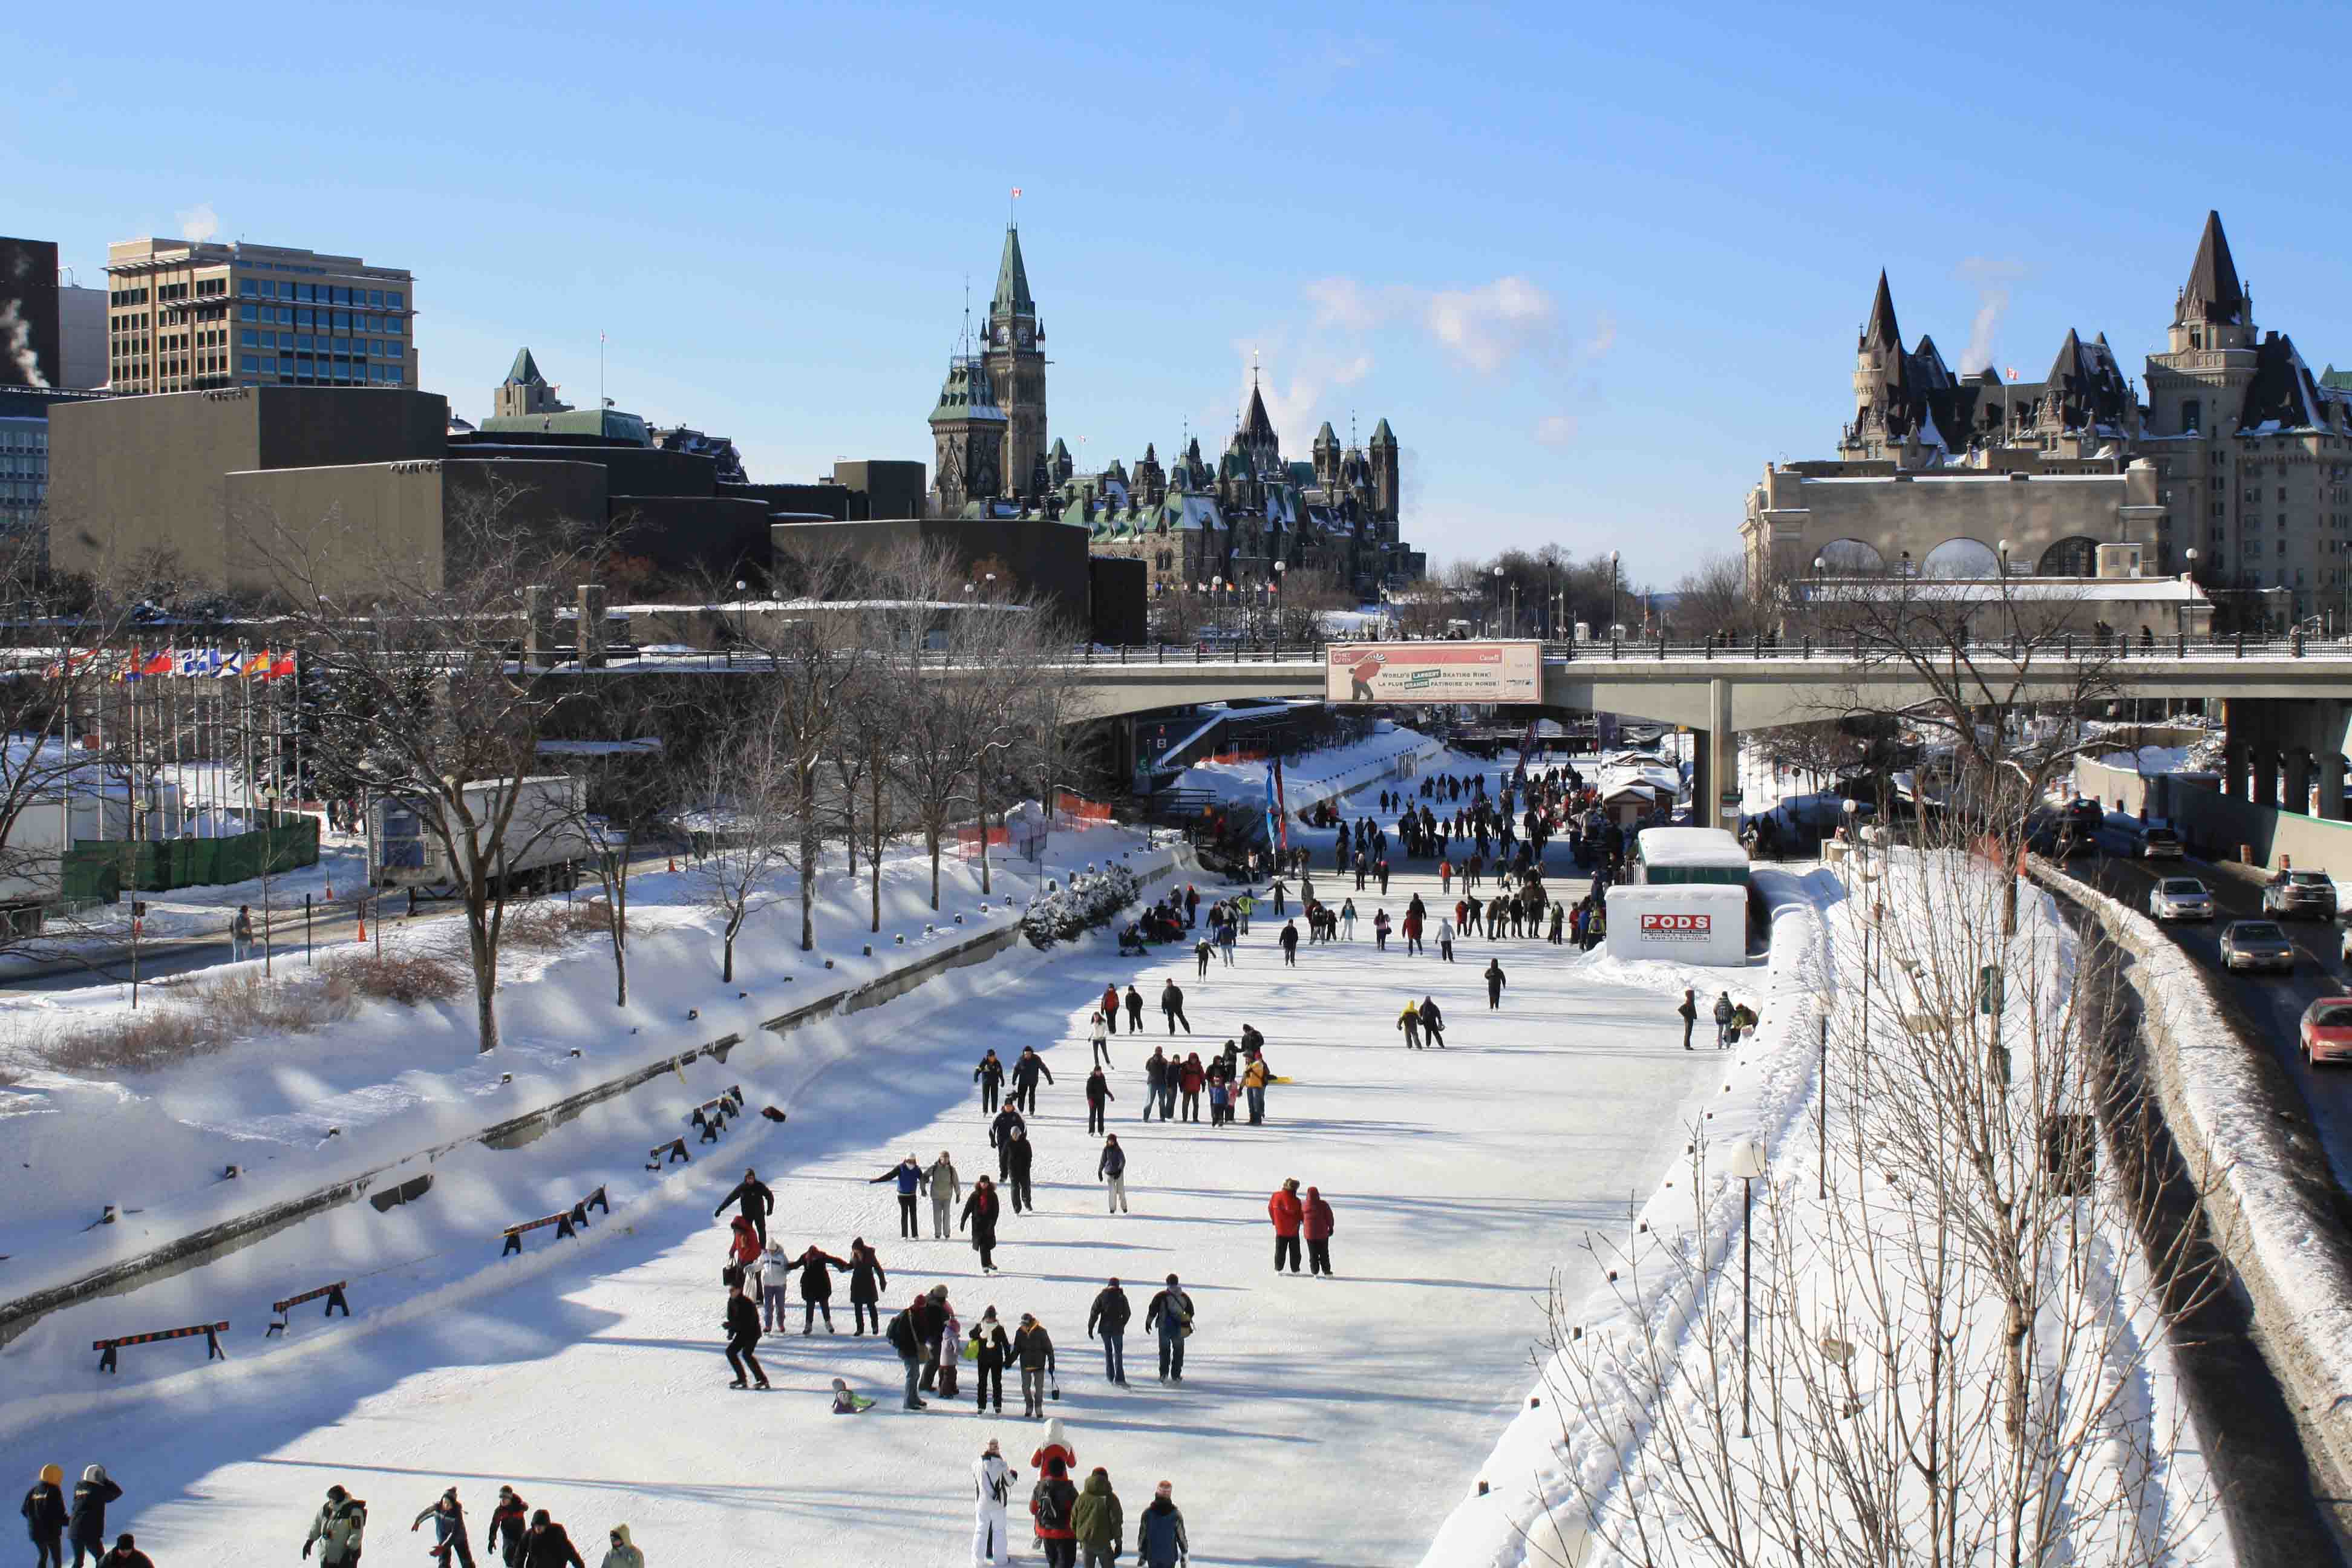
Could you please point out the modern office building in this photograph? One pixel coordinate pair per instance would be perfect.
(82, 336)
(186, 315)
(25, 450)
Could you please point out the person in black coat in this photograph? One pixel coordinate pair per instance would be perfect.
(990, 1076)
(1026, 1073)
(980, 1212)
(1000, 1137)
(816, 1287)
(867, 1282)
(86, 1527)
(742, 1332)
(45, 1517)
(991, 1353)
(758, 1202)
(1110, 1314)
(1134, 1011)
(1172, 1006)
(1433, 1022)
(545, 1544)
(1019, 1154)
(126, 1554)
(1493, 983)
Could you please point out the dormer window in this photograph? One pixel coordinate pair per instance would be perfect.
(2196, 339)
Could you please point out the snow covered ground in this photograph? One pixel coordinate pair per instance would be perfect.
(1320, 1422)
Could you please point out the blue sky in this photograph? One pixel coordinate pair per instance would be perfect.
(1597, 266)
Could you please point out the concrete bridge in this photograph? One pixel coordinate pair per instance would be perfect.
(2288, 703)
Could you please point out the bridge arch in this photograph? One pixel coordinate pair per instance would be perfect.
(2077, 555)
(1850, 558)
(1961, 557)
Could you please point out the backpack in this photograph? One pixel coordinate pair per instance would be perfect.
(901, 1334)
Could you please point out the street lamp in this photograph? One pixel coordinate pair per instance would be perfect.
(1746, 1164)
(1613, 596)
(743, 617)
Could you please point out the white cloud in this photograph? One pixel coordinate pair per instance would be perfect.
(1484, 326)
(199, 223)
(1556, 430)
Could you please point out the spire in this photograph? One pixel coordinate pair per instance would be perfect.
(1882, 329)
(2213, 294)
(525, 371)
(1256, 425)
(1012, 280)
(1382, 436)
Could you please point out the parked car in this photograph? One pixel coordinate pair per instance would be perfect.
(2180, 899)
(2328, 1031)
(2308, 893)
(2256, 944)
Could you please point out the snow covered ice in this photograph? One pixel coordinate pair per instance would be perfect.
(1319, 1421)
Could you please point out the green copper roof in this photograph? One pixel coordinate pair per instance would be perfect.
(1012, 280)
(967, 394)
(611, 424)
(2339, 379)
(525, 371)
(1382, 436)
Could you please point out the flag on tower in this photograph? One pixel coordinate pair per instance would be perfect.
(1016, 192)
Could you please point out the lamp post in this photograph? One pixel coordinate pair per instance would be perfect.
(1747, 1162)
(1613, 596)
(2186, 600)
(743, 617)
(1498, 587)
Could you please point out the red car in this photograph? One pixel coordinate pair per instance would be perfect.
(2328, 1031)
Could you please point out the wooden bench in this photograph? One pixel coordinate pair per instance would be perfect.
(566, 1223)
(671, 1153)
(333, 1293)
(212, 1333)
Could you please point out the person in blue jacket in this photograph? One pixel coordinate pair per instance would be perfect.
(909, 1175)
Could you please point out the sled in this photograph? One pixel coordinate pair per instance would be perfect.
(858, 1406)
(1280, 1079)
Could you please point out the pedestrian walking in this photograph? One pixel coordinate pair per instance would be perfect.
(86, 1519)
(1050, 1506)
(1034, 1349)
(991, 1490)
(816, 1287)
(1099, 1095)
(868, 1280)
(757, 1202)
(1689, 1013)
(1022, 1156)
(623, 1552)
(1107, 1319)
(1099, 1035)
(46, 1517)
(945, 1187)
(1134, 1010)
(1159, 1540)
(743, 1327)
(1315, 1223)
(1493, 976)
(980, 1212)
(990, 1076)
(1726, 1022)
(448, 1530)
(1098, 1521)
(991, 1353)
(1111, 1167)
(509, 1521)
(240, 934)
(1170, 1313)
(338, 1530)
(1289, 939)
(1172, 1006)
(1026, 1071)
(1433, 1022)
(908, 1175)
(1000, 1137)
(1410, 1021)
(1287, 1213)
(546, 1544)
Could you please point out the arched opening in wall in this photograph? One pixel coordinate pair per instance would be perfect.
(2074, 557)
(1849, 558)
(1960, 558)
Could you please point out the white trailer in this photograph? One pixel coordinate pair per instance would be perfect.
(546, 838)
(32, 864)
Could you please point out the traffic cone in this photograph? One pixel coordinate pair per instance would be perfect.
(361, 919)
(673, 863)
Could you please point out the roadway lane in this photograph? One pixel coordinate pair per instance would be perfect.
(2272, 1004)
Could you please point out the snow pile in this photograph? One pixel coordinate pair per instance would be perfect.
(1318, 775)
(1084, 902)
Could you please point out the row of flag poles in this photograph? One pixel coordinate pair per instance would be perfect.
(193, 663)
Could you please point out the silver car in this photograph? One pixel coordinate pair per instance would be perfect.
(2180, 899)
(2256, 944)
(2310, 893)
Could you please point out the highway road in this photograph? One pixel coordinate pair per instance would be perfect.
(2272, 1004)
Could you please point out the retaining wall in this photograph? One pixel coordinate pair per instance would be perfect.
(2215, 824)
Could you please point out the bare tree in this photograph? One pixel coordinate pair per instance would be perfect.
(743, 815)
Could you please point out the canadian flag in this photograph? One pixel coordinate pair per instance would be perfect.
(1016, 190)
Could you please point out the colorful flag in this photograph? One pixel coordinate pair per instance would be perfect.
(159, 663)
(1016, 190)
(126, 668)
(196, 661)
(283, 667)
(1281, 807)
(258, 664)
(229, 667)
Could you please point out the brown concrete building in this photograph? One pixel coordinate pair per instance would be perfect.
(186, 315)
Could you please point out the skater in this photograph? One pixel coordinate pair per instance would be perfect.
(1108, 1320)
(868, 1280)
(1726, 1022)
(1098, 1521)
(1221, 1094)
(448, 1530)
(947, 1351)
(1445, 876)
(1201, 950)
(990, 1076)
(946, 1188)
(1254, 1077)
(743, 1250)
(1025, 1074)
(126, 1554)
(979, 1216)
(906, 1338)
(1433, 1022)
(742, 1326)
(1170, 1313)
(1035, 1350)
(1410, 1021)
(547, 1545)
(1380, 930)
(1022, 1158)
(1348, 914)
(1049, 1511)
(991, 1487)
(1494, 983)
(1284, 1209)
(624, 1553)
(758, 1202)
(1134, 1010)
(1289, 939)
(990, 1352)
(1189, 1078)
(1444, 939)
(774, 1274)
(909, 1174)
(1099, 1095)
(816, 1287)
(46, 1518)
(1054, 1447)
(1316, 1223)
(1227, 939)
(1279, 892)
(1172, 1006)
(338, 1530)
(1159, 1540)
(1099, 1035)
(86, 1522)
(1000, 1137)
(1111, 1167)
(509, 1520)
(1689, 1011)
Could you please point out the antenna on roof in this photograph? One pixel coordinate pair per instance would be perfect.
(964, 343)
